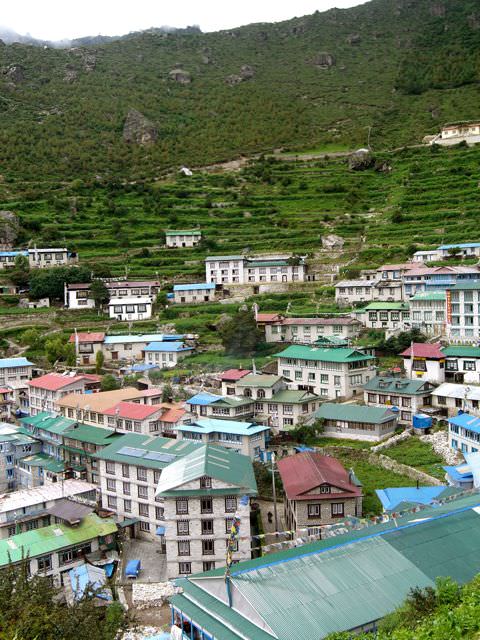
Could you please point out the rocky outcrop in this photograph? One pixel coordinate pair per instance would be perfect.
(71, 74)
(354, 38)
(361, 160)
(180, 75)
(15, 73)
(246, 73)
(9, 227)
(324, 60)
(332, 241)
(138, 129)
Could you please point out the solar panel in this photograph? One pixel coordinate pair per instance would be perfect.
(160, 457)
(132, 451)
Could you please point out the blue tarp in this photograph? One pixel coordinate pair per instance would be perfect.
(422, 421)
(160, 531)
(392, 497)
(109, 569)
(133, 568)
(88, 575)
(302, 448)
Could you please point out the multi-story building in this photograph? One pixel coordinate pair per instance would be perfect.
(54, 550)
(203, 492)
(464, 433)
(424, 361)
(258, 386)
(229, 378)
(131, 347)
(130, 470)
(329, 373)
(251, 270)
(196, 293)
(91, 408)
(425, 279)
(166, 355)
(6, 404)
(78, 296)
(356, 422)
(463, 249)
(405, 395)
(387, 316)
(427, 312)
(44, 392)
(38, 258)
(130, 309)
(87, 345)
(229, 407)
(15, 370)
(463, 312)
(454, 398)
(14, 446)
(183, 238)
(309, 330)
(318, 491)
(247, 438)
(462, 364)
(286, 409)
(348, 292)
(28, 509)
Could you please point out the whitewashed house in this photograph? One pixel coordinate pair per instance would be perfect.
(130, 309)
(455, 398)
(241, 269)
(194, 293)
(428, 312)
(186, 238)
(166, 354)
(424, 361)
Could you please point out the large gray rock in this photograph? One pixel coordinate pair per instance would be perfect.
(246, 73)
(138, 129)
(15, 73)
(180, 75)
(9, 227)
(324, 60)
(361, 160)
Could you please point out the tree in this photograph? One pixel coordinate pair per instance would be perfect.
(99, 293)
(454, 252)
(50, 283)
(239, 333)
(20, 274)
(99, 360)
(109, 383)
(167, 393)
(32, 609)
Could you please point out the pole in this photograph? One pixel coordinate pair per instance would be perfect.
(274, 491)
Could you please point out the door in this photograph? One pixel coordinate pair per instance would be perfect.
(114, 355)
(86, 359)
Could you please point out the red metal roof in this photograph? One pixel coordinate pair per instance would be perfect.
(88, 337)
(173, 415)
(149, 393)
(234, 374)
(133, 410)
(304, 472)
(54, 381)
(424, 350)
(319, 321)
(268, 317)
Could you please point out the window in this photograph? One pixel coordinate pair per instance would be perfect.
(441, 400)
(325, 489)
(65, 557)
(126, 488)
(206, 505)
(142, 491)
(44, 563)
(207, 527)
(111, 485)
(184, 568)
(208, 547)
(156, 476)
(419, 365)
(182, 505)
(110, 468)
(337, 509)
(469, 365)
(127, 506)
(313, 510)
(144, 526)
(298, 375)
(228, 524)
(159, 513)
(205, 482)
(112, 502)
(142, 474)
(143, 509)
(183, 528)
(208, 566)
(183, 547)
(230, 504)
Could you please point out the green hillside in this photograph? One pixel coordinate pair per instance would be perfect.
(401, 67)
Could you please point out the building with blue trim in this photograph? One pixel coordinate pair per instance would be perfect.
(195, 293)
(166, 354)
(464, 433)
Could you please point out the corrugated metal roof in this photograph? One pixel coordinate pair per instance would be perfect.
(337, 354)
(392, 497)
(15, 362)
(194, 287)
(452, 390)
(454, 351)
(147, 337)
(170, 347)
(424, 350)
(465, 285)
(354, 412)
(431, 296)
(44, 493)
(91, 434)
(292, 397)
(258, 380)
(46, 422)
(203, 399)
(184, 232)
(398, 386)
(210, 425)
(467, 421)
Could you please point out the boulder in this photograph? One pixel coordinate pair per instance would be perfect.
(361, 160)
(180, 75)
(138, 129)
(332, 241)
(354, 38)
(246, 73)
(15, 73)
(71, 74)
(9, 227)
(324, 60)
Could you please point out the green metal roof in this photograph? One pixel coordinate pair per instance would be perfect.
(386, 306)
(354, 413)
(228, 401)
(237, 257)
(431, 295)
(465, 285)
(339, 583)
(267, 263)
(132, 448)
(92, 435)
(184, 232)
(46, 540)
(216, 462)
(292, 397)
(326, 355)
(461, 351)
(258, 380)
(47, 422)
(398, 386)
(45, 461)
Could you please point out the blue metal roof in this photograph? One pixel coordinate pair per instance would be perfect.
(462, 473)
(13, 254)
(194, 287)
(466, 421)
(392, 497)
(171, 347)
(139, 368)
(15, 362)
(203, 399)
(147, 337)
(210, 425)
(473, 461)
(464, 245)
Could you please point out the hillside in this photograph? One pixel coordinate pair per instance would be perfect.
(401, 67)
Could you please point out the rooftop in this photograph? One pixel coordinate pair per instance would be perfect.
(355, 283)
(337, 354)
(354, 413)
(399, 386)
(291, 396)
(91, 435)
(402, 498)
(210, 425)
(232, 375)
(133, 410)
(467, 421)
(319, 321)
(424, 350)
(461, 245)
(196, 286)
(452, 390)
(129, 300)
(219, 463)
(258, 380)
(268, 317)
(100, 401)
(48, 422)
(45, 493)
(46, 540)
(203, 399)
(87, 337)
(465, 285)
(169, 347)
(430, 296)
(147, 337)
(54, 381)
(184, 232)
(44, 461)
(14, 362)
(459, 351)
(385, 306)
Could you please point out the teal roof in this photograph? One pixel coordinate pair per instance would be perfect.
(91, 434)
(354, 413)
(210, 425)
(465, 285)
(326, 355)
(267, 263)
(398, 386)
(340, 583)
(47, 422)
(431, 295)
(460, 351)
(386, 306)
(215, 462)
(46, 540)
(293, 397)
(45, 462)
(153, 452)
(258, 380)
(184, 232)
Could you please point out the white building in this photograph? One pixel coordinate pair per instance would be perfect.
(38, 258)
(463, 312)
(462, 364)
(15, 370)
(464, 433)
(462, 249)
(130, 309)
(329, 373)
(453, 398)
(454, 133)
(78, 296)
(427, 312)
(189, 238)
(247, 438)
(406, 395)
(387, 316)
(131, 347)
(427, 255)
(241, 269)
(309, 330)
(348, 292)
(423, 361)
(203, 493)
(194, 293)
(166, 354)
(44, 392)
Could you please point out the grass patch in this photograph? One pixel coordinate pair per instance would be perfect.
(418, 454)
